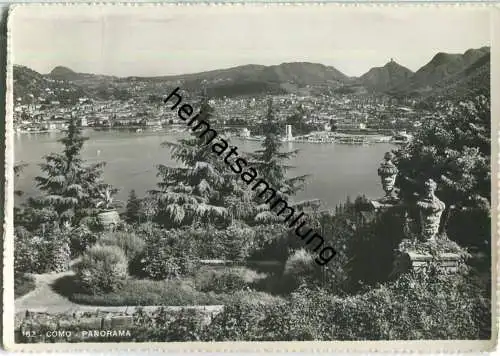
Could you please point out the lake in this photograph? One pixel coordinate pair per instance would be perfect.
(336, 170)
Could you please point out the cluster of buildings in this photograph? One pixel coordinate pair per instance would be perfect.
(37, 117)
(341, 113)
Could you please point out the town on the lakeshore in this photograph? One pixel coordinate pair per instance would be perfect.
(326, 118)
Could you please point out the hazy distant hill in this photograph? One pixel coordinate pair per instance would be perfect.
(381, 79)
(241, 80)
(255, 79)
(29, 84)
(63, 73)
(441, 67)
(475, 79)
(443, 71)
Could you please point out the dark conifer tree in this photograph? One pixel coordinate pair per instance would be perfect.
(133, 211)
(203, 190)
(69, 185)
(18, 169)
(270, 162)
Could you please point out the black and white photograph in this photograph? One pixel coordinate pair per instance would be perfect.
(248, 174)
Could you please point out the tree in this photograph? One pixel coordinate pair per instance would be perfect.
(203, 190)
(300, 127)
(133, 211)
(18, 169)
(454, 150)
(69, 185)
(269, 161)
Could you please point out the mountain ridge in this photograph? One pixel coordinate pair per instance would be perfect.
(441, 67)
(287, 77)
(385, 77)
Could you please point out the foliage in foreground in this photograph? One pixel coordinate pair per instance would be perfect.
(35, 254)
(415, 307)
(208, 286)
(102, 269)
(23, 284)
(454, 150)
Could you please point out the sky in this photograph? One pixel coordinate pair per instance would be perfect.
(165, 40)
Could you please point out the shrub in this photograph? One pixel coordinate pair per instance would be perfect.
(131, 244)
(238, 321)
(26, 253)
(300, 269)
(34, 254)
(147, 292)
(238, 242)
(253, 298)
(419, 306)
(58, 253)
(102, 269)
(148, 230)
(416, 306)
(186, 326)
(223, 281)
(170, 254)
(81, 239)
(23, 284)
(158, 325)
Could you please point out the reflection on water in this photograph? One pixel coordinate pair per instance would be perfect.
(335, 170)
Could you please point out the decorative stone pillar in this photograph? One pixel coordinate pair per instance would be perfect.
(431, 209)
(387, 173)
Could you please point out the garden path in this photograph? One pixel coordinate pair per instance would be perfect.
(43, 298)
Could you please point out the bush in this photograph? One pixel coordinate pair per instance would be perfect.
(26, 253)
(81, 239)
(131, 244)
(224, 281)
(238, 321)
(34, 254)
(148, 231)
(170, 254)
(300, 269)
(23, 284)
(148, 292)
(238, 242)
(57, 253)
(159, 325)
(102, 269)
(420, 306)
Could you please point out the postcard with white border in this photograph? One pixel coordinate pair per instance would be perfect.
(251, 177)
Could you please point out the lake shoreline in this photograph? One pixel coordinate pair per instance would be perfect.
(336, 170)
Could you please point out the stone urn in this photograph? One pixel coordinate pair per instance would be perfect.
(431, 209)
(387, 173)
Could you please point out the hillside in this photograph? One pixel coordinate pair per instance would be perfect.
(475, 79)
(441, 67)
(258, 79)
(63, 73)
(444, 72)
(242, 80)
(381, 79)
(29, 84)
